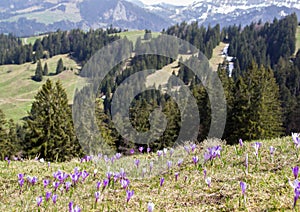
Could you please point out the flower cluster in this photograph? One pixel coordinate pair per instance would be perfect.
(212, 152)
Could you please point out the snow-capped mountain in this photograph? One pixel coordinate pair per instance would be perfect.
(27, 17)
(227, 12)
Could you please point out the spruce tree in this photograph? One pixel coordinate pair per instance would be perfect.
(257, 113)
(50, 127)
(60, 66)
(45, 71)
(38, 72)
(8, 138)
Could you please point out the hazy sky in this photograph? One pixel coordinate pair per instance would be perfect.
(175, 2)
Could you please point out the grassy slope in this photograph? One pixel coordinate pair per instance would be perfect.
(217, 58)
(50, 15)
(31, 40)
(297, 39)
(17, 89)
(267, 182)
(133, 35)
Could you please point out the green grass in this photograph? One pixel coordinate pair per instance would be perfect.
(47, 17)
(133, 35)
(297, 39)
(268, 188)
(17, 89)
(31, 40)
(217, 58)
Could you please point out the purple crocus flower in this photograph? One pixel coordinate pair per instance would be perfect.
(137, 162)
(208, 181)
(122, 173)
(95, 172)
(180, 161)
(150, 207)
(84, 175)
(256, 147)
(169, 164)
(148, 149)
(193, 147)
(48, 165)
(46, 183)
(106, 159)
(97, 196)
(116, 176)
(68, 185)
(141, 149)
(54, 198)
(33, 180)
(109, 175)
(243, 186)
(176, 176)
(118, 155)
(295, 171)
(165, 150)
(129, 194)
(296, 139)
(8, 161)
(159, 153)
(20, 176)
(171, 152)
(75, 178)
(55, 185)
(132, 151)
(77, 209)
(98, 184)
(39, 200)
(112, 160)
(105, 182)
(124, 183)
(76, 170)
(204, 173)
(296, 196)
(272, 150)
(187, 149)
(195, 159)
(162, 180)
(21, 182)
(48, 195)
(241, 142)
(72, 208)
(151, 165)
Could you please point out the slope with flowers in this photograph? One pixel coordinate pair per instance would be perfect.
(254, 175)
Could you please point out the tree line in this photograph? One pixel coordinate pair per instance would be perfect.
(81, 45)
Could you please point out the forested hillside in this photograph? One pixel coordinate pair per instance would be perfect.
(262, 95)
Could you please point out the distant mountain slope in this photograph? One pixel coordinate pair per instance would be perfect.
(228, 12)
(28, 17)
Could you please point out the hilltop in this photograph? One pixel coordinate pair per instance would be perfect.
(18, 89)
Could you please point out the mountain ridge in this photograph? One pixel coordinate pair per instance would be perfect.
(31, 17)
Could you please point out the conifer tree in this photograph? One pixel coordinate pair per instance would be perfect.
(256, 113)
(45, 71)
(50, 127)
(60, 66)
(38, 72)
(8, 139)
